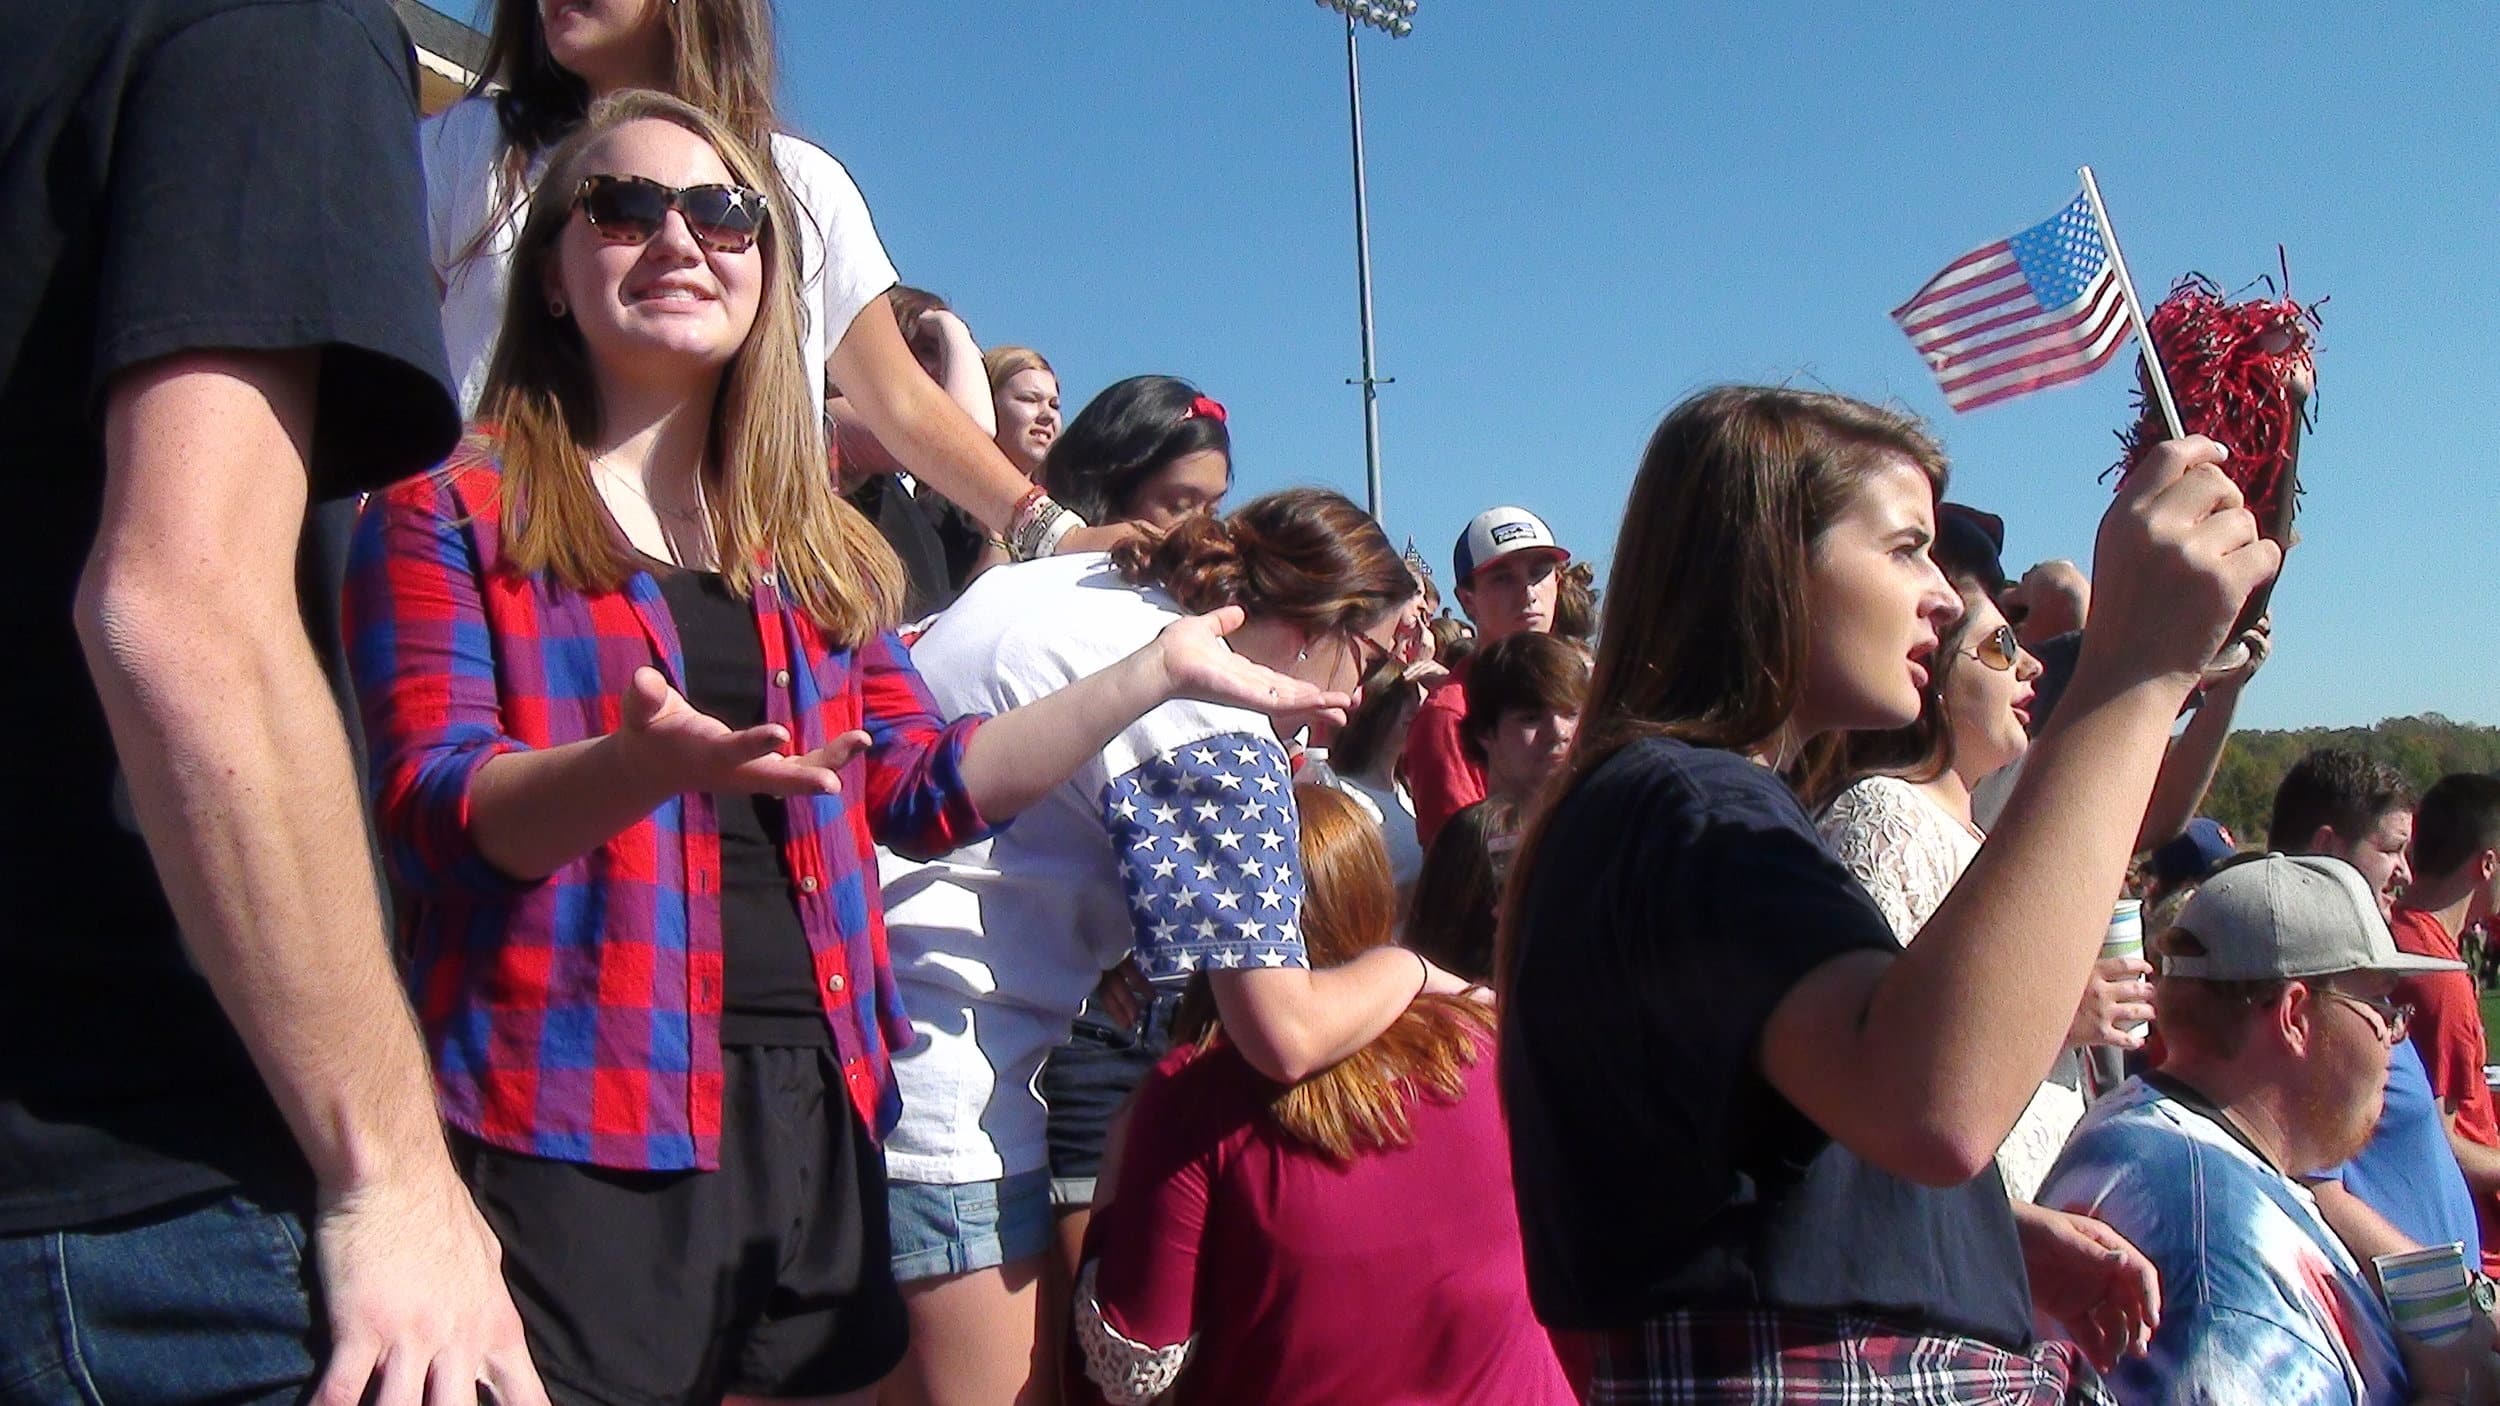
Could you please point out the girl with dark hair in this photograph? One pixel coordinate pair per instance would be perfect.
(637, 713)
(1175, 847)
(1150, 449)
(1458, 896)
(1754, 1136)
(545, 63)
(1346, 1237)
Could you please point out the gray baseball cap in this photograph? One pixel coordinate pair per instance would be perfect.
(2290, 916)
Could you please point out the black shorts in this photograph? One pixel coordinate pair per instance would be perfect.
(769, 1277)
(1086, 1081)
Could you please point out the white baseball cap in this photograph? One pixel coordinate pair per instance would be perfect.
(1498, 532)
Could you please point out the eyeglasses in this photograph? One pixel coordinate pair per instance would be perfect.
(1999, 650)
(631, 209)
(1371, 652)
(2394, 1017)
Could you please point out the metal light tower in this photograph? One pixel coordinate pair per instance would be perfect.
(1395, 18)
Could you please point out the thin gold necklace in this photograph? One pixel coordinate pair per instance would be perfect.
(700, 515)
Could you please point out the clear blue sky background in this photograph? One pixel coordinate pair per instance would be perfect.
(1582, 212)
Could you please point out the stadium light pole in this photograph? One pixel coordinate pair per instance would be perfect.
(1395, 18)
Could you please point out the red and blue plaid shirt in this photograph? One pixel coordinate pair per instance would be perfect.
(578, 1016)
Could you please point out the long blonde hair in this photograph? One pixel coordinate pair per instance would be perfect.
(767, 487)
(1364, 1101)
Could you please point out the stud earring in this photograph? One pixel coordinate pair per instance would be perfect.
(556, 308)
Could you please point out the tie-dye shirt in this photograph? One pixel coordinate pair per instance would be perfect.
(2260, 1301)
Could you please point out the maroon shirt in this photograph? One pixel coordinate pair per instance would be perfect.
(1396, 1279)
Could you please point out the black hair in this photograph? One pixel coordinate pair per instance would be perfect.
(2344, 791)
(1125, 436)
(2459, 818)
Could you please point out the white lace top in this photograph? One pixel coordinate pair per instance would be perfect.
(1909, 854)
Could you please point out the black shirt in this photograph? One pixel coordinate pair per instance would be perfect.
(1679, 894)
(768, 975)
(181, 175)
(936, 541)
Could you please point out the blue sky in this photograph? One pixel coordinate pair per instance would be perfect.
(1583, 212)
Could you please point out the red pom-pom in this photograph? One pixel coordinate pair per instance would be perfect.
(2232, 369)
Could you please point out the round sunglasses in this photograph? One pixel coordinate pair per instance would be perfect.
(630, 210)
(1999, 650)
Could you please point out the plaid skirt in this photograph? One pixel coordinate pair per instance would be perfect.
(1733, 1356)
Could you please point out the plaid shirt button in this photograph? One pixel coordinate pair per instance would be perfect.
(808, 884)
(835, 983)
(781, 678)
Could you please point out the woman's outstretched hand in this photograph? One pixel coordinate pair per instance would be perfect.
(1198, 664)
(679, 748)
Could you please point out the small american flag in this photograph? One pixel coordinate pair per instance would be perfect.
(2021, 314)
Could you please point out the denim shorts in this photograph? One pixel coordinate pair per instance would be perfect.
(203, 1299)
(940, 1230)
(1088, 1080)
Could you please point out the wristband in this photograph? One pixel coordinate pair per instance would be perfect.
(1056, 529)
(1038, 526)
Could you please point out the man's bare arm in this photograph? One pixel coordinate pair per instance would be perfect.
(240, 773)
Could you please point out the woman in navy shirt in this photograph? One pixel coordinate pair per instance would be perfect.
(1752, 1135)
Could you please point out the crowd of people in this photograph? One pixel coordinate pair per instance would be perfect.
(621, 811)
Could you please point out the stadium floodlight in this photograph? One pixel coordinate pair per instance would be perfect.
(1395, 18)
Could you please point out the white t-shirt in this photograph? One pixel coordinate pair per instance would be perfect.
(1179, 842)
(1908, 854)
(842, 266)
(1390, 808)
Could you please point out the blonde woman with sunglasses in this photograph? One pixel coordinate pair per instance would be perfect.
(639, 717)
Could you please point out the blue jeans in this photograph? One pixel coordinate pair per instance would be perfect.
(198, 1301)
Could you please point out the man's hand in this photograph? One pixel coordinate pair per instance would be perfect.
(413, 1281)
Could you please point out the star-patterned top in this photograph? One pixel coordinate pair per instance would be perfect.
(1207, 840)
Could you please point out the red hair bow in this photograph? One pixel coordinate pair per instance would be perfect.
(1205, 407)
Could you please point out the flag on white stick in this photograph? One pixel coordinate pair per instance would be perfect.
(2022, 314)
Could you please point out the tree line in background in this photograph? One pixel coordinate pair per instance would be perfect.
(2424, 748)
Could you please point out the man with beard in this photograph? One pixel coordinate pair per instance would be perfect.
(2276, 1001)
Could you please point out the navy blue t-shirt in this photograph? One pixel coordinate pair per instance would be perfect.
(2407, 1172)
(1679, 894)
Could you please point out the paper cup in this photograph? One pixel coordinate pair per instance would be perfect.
(2428, 1292)
(2125, 938)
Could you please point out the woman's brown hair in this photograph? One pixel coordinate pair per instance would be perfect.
(1458, 892)
(1361, 1103)
(1305, 556)
(763, 471)
(1372, 731)
(1705, 628)
(720, 61)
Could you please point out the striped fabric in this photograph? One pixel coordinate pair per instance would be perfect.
(578, 1017)
(1739, 1357)
(2021, 314)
